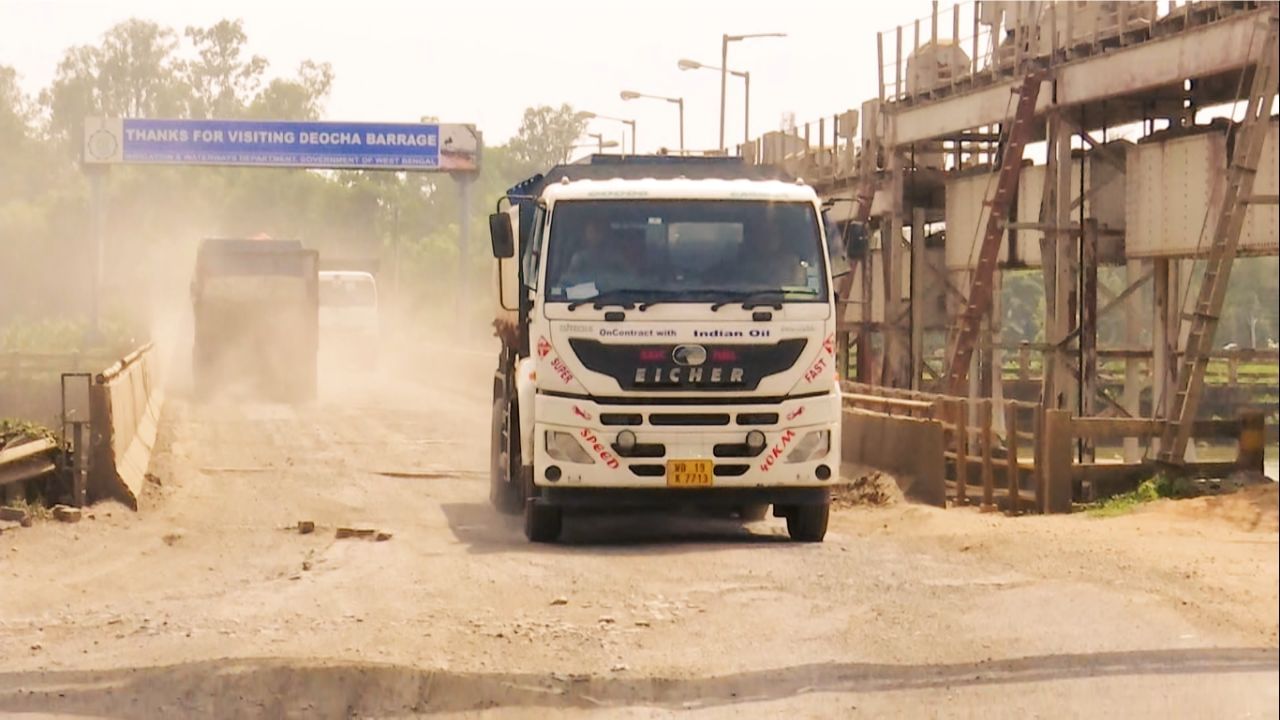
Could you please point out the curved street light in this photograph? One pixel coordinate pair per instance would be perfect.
(679, 101)
(686, 64)
(596, 116)
(724, 63)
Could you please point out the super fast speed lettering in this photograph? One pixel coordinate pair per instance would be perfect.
(599, 449)
(828, 350)
(562, 370)
(566, 375)
(771, 457)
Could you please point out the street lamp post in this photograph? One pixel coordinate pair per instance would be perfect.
(679, 101)
(724, 74)
(632, 123)
(599, 140)
(746, 79)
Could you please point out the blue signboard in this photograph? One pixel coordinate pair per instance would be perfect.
(337, 145)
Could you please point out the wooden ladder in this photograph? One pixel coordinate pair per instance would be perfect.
(978, 303)
(1238, 195)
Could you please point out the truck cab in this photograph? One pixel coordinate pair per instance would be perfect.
(349, 319)
(668, 332)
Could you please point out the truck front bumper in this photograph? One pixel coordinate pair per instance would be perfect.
(800, 450)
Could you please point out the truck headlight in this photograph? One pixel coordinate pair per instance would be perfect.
(815, 444)
(564, 447)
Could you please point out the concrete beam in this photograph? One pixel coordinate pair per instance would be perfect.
(1205, 51)
(1201, 52)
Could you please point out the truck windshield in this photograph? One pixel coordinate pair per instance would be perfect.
(345, 292)
(684, 251)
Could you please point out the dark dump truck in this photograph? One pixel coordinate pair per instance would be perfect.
(255, 305)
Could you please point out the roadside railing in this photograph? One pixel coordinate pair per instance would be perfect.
(1019, 456)
(105, 422)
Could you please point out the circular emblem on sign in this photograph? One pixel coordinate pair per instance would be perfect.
(689, 355)
(103, 144)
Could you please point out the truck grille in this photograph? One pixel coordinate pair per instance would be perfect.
(689, 418)
(719, 367)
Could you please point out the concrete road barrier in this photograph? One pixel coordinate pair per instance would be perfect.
(125, 402)
(909, 449)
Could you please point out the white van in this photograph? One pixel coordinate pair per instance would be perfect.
(349, 325)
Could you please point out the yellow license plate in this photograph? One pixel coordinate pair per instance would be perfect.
(689, 473)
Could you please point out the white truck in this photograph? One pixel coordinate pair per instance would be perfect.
(349, 319)
(668, 340)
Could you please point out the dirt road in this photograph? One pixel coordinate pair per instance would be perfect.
(209, 603)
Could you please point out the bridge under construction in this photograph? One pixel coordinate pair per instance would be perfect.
(991, 149)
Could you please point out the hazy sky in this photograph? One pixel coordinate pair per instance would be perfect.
(486, 61)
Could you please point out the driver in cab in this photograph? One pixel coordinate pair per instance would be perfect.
(768, 262)
(599, 265)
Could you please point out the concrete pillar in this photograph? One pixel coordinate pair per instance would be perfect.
(1089, 329)
(917, 297)
(1060, 266)
(1164, 334)
(897, 361)
(1131, 399)
(864, 327)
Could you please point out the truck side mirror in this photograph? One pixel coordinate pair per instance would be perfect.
(500, 235)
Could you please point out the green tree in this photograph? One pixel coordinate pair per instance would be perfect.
(134, 72)
(300, 98)
(546, 135)
(222, 79)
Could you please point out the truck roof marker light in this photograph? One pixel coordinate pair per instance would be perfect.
(564, 180)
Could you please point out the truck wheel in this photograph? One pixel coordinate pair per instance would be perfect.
(504, 490)
(808, 523)
(753, 513)
(542, 523)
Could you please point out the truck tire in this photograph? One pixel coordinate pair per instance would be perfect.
(753, 513)
(808, 523)
(504, 487)
(542, 523)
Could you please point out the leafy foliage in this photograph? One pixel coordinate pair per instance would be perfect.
(222, 80)
(1149, 490)
(547, 135)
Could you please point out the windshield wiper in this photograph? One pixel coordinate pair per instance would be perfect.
(750, 298)
(668, 295)
(746, 297)
(609, 298)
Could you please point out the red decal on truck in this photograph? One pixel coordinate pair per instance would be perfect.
(581, 413)
(772, 456)
(795, 413)
(599, 449)
(544, 347)
(815, 370)
(566, 375)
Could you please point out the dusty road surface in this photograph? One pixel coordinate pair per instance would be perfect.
(209, 603)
